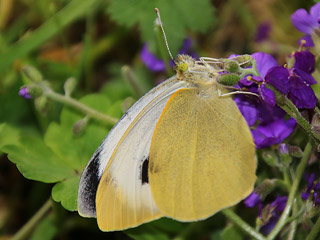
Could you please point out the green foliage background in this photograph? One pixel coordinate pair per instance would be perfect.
(91, 41)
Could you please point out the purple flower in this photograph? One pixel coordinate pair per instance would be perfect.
(263, 32)
(295, 82)
(273, 132)
(157, 65)
(313, 189)
(150, 60)
(310, 180)
(271, 128)
(23, 92)
(271, 214)
(307, 23)
(252, 200)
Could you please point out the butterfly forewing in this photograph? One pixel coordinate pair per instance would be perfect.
(123, 196)
(202, 156)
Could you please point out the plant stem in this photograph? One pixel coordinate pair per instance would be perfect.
(314, 231)
(242, 224)
(131, 79)
(293, 224)
(32, 223)
(47, 30)
(291, 109)
(293, 191)
(80, 107)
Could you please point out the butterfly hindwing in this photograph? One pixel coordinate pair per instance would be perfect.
(202, 156)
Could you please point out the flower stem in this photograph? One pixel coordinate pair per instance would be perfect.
(293, 191)
(293, 224)
(80, 107)
(314, 231)
(291, 109)
(32, 223)
(242, 224)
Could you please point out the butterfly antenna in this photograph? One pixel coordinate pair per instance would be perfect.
(164, 34)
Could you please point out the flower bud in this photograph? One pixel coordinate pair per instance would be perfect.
(30, 91)
(244, 60)
(32, 73)
(295, 151)
(127, 103)
(270, 158)
(25, 93)
(42, 105)
(69, 86)
(80, 126)
(231, 66)
(228, 79)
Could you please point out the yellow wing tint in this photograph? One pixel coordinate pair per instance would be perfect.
(117, 211)
(202, 156)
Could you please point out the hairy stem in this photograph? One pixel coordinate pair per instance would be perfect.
(24, 232)
(80, 107)
(314, 231)
(242, 224)
(292, 195)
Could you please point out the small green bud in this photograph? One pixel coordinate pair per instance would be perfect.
(34, 90)
(127, 103)
(244, 60)
(32, 73)
(80, 126)
(42, 105)
(270, 158)
(228, 79)
(69, 86)
(231, 66)
(295, 151)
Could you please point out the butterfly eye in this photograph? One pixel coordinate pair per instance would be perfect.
(182, 67)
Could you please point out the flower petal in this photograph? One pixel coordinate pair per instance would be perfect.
(301, 94)
(150, 60)
(247, 108)
(303, 21)
(267, 95)
(315, 11)
(304, 61)
(278, 77)
(264, 62)
(273, 133)
(305, 77)
(308, 41)
(252, 200)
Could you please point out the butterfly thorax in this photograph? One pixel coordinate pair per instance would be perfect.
(195, 72)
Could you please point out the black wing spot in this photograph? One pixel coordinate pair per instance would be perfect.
(144, 171)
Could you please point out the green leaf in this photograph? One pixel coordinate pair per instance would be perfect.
(46, 230)
(76, 151)
(66, 192)
(178, 16)
(36, 161)
(8, 135)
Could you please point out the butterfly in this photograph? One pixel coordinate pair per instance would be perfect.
(182, 151)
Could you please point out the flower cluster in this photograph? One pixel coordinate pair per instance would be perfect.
(267, 122)
(269, 214)
(313, 189)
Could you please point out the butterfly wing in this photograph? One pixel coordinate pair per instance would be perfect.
(202, 156)
(114, 186)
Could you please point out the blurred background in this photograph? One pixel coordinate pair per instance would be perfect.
(103, 45)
